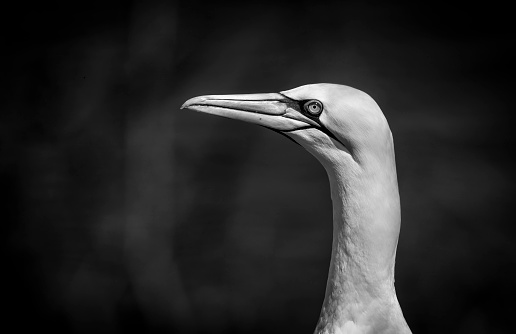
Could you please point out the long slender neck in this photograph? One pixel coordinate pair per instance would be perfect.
(360, 295)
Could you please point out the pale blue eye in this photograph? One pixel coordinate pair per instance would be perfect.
(313, 107)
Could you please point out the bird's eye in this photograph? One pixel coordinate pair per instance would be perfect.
(313, 107)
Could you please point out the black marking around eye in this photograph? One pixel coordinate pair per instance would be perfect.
(299, 107)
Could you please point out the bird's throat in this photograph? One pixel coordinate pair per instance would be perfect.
(360, 295)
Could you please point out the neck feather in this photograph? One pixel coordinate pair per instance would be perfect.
(360, 295)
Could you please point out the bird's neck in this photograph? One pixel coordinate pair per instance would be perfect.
(360, 295)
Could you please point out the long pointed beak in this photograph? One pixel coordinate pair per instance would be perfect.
(271, 110)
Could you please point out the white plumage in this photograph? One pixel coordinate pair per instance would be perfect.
(347, 132)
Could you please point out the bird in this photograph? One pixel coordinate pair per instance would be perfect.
(346, 131)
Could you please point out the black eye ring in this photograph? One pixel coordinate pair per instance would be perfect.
(313, 107)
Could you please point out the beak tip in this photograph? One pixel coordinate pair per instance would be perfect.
(192, 101)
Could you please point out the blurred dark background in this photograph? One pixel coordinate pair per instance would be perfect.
(122, 213)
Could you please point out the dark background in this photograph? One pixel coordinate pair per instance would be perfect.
(122, 213)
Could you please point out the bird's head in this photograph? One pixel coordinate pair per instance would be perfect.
(333, 122)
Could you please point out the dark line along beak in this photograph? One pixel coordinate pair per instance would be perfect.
(272, 110)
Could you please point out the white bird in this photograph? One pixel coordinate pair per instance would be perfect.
(347, 132)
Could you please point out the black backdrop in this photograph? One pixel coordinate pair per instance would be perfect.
(122, 213)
